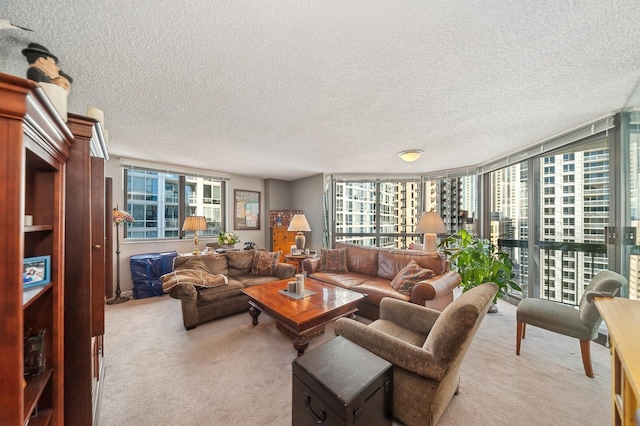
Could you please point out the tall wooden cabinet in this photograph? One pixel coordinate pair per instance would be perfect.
(85, 267)
(34, 149)
(282, 240)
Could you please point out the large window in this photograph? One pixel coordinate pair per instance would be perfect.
(159, 202)
(377, 213)
(386, 213)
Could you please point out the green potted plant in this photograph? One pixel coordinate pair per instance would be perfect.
(479, 261)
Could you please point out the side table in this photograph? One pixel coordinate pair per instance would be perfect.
(341, 383)
(298, 259)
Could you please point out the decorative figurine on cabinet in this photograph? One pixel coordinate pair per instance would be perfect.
(43, 67)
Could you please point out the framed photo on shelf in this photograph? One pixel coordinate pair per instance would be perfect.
(246, 210)
(36, 271)
(296, 252)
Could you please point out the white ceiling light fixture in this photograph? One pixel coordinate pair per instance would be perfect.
(410, 155)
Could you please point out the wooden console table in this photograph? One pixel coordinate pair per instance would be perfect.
(622, 317)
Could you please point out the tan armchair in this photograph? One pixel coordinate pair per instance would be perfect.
(426, 348)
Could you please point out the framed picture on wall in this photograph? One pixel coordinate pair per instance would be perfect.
(246, 210)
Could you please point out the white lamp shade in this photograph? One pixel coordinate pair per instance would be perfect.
(431, 224)
(299, 223)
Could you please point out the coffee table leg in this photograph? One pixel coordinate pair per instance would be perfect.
(301, 342)
(254, 312)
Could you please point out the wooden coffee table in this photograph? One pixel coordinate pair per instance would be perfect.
(300, 318)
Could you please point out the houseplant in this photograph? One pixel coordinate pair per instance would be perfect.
(478, 261)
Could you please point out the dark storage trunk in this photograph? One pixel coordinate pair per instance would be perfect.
(146, 270)
(341, 383)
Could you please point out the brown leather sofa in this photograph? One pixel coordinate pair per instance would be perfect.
(371, 270)
(200, 303)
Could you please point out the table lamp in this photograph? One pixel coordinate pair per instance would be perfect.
(299, 224)
(430, 225)
(195, 224)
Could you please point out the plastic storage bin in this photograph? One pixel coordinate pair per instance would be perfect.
(146, 270)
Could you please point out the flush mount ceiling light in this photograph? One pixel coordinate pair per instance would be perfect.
(410, 155)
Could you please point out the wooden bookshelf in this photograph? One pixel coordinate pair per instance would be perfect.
(622, 317)
(34, 148)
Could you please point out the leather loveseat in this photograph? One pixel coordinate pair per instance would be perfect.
(218, 293)
(371, 270)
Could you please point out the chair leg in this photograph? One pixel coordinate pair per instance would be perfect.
(520, 327)
(585, 350)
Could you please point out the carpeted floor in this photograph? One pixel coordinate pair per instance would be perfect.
(227, 372)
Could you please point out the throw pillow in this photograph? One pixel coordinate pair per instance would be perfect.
(265, 262)
(409, 276)
(333, 260)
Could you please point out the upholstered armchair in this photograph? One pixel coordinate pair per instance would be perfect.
(425, 346)
(581, 323)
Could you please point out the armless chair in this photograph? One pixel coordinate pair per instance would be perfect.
(426, 348)
(581, 323)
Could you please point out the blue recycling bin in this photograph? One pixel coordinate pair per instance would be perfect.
(146, 270)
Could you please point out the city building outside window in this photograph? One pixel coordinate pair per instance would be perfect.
(159, 202)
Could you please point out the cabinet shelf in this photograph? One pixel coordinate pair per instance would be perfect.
(38, 228)
(31, 294)
(33, 391)
(43, 418)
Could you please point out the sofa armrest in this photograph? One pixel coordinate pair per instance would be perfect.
(187, 292)
(311, 265)
(408, 315)
(394, 350)
(435, 287)
(285, 270)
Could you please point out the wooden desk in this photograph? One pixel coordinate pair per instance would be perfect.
(622, 317)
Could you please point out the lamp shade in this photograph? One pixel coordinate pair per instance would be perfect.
(431, 223)
(195, 223)
(120, 216)
(299, 223)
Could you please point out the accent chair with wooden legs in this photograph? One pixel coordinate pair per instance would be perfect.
(581, 323)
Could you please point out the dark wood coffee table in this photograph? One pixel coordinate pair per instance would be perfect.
(300, 318)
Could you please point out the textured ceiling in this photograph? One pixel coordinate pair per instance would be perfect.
(288, 89)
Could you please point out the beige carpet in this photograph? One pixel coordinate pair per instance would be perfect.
(227, 372)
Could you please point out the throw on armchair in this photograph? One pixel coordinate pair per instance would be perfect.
(425, 346)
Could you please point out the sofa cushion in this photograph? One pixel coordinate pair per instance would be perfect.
(390, 262)
(264, 262)
(212, 294)
(361, 259)
(193, 263)
(377, 289)
(333, 260)
(239, 262)
(409, 276)
(341, 279)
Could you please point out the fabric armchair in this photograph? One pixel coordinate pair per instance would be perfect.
(425, 346)
(581, 323)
